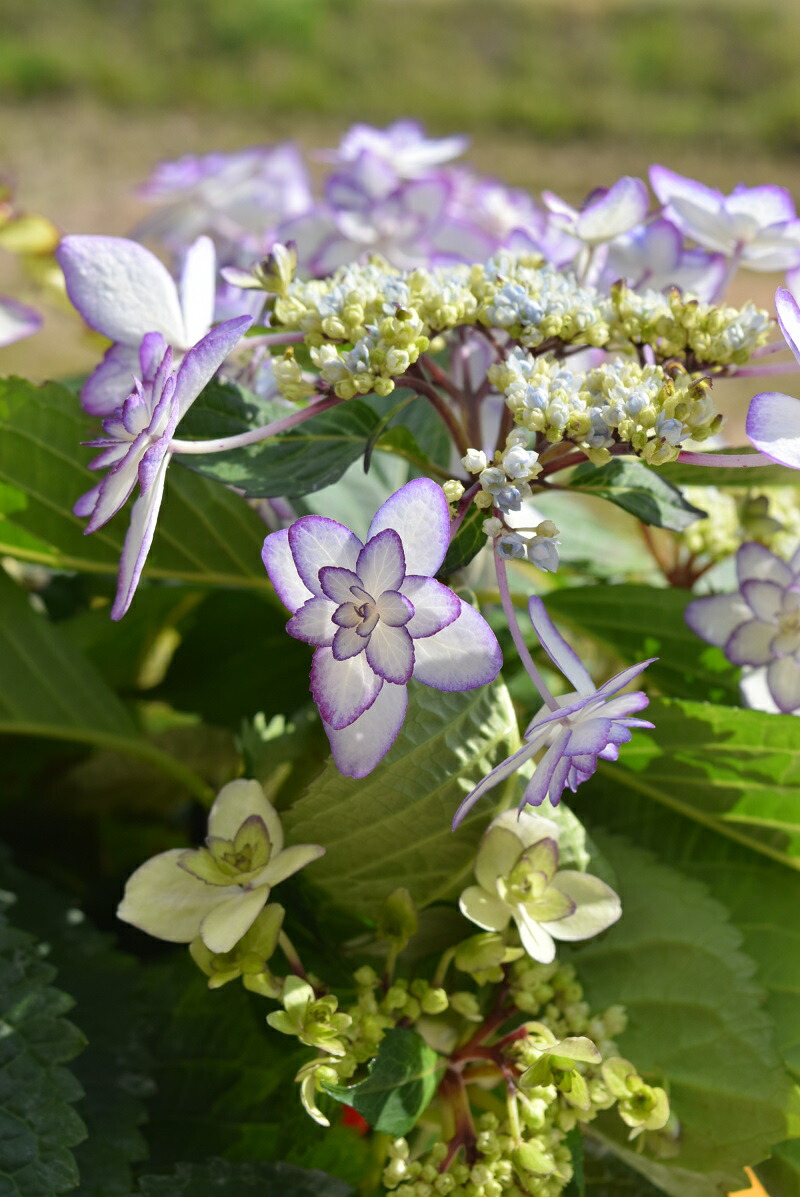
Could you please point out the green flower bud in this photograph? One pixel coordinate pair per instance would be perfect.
(397, 920)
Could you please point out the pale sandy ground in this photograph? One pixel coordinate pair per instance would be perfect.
(80, 164)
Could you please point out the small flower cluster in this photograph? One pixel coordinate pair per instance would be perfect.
(650, 408)
(504, 483)
(769, 515)
(681, 326)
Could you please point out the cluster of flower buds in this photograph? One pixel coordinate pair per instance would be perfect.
(767, 515)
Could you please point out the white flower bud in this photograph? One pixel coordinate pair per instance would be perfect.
(493, 526)
(453, 490)
(473, 461)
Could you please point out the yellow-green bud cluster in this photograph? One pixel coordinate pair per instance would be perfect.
(769, 515)
(649, 408)
(680, 326)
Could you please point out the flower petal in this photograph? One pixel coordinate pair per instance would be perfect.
(716, 616)
(381, 564)
(395, 609)
(498, 852)
(224, 926)
(498, 774)
(773, 426)
(624, 678)
(138, 538)
(111, 382)
(528, 827)
(751, 643)
(164, 900)
(205, 358)
(619, 209)
(461, 656)
(435, 605)
(238, 801)
(288, 862)
(358, 748)
(765, 599)
(343, 690)
(390, 652)
(597, 906)
(783, 679)
(348, 642)
(121, 289)
(484, 909)
(197, 289)
(338, 583)
(317, 541)
(788, 312)
(537, 788)
(536, 941)
(420, 514)
(313, 622)
(756, 561)
(282, 571)
(560, 653)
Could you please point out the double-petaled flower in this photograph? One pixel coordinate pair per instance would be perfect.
(377, 618)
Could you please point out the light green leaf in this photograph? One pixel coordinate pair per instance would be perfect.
(695, 1021)
(205, 533)
(220, 1178)
(48, 688)
(402, 1080)
(38, 1125)
(638, 622)
(393, 827)
(305, 459)
(637, 489)
(735, 771)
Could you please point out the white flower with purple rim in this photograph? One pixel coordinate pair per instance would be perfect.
(519, 878)
(773, 419)
(377, 618)
(756, 225)
(608, 211)
(402, 145)
(589, 725)
(136, 449)
(17, 321)
(124, 292)
(758, 625)
(654, 256)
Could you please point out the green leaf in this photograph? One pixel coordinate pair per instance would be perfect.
(48, 688)
(680, 474)
(780, 1174)
(112, 1069)
(305, 459)
(225, 1083)
(695, 1021)
(205, 533)
(218, 1178)
(467, 542)
(606, 1176)
(643, 492)
(38, 1125)
(393, 827)
(402, 1080)
(638, 622)
(734, 771)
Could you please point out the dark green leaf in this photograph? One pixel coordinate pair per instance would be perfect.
(468, 541)
(393, 827)
(205, 533)
(695, 1021)
(780, 1174)
(38, 1125)
(297, 462)
(402, 1080)
(638, 622)
(636, 488)
(218, 1178)
(735, 771)
(607, 1176)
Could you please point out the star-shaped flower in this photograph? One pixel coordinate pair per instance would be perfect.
(758, 625)
(218, 891)
(124, 292)
(589, 725)
(136, 449)
(519, 878)
(378, 618)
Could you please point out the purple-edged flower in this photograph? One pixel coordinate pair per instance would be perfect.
(608, 211)
(756, 225)
(402, 145)
(124, 292)
(589, 725)
(758, 625)
(135, 448)
(773, 419)
(17, 321)
(377, 618)
(654, 255)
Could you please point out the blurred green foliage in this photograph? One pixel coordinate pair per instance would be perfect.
(722, 73)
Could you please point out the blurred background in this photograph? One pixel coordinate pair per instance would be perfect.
(559, 94)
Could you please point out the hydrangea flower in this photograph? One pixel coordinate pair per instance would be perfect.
(773, 419)
(654, 255)
(17, 321)
(216, 892)
(402, 145)
(758, 625)
(756, 225)
(124, 292)
(608, 211)
(377, 618)
(519, 878)
(589, 725)
(136, 449)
